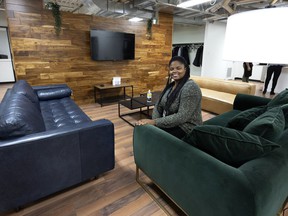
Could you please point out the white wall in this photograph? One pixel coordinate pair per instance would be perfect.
(189, 34)
(212, 35)
(4, 42)
(4, 48)
(3, 19)
(213, 65)
(7, 72)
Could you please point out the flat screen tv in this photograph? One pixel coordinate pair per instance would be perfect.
(112, 46)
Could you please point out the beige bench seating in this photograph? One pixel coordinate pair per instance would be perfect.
(218, 94)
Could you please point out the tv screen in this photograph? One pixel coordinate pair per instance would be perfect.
(109, 45)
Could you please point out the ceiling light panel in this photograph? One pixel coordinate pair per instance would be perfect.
(191, 3)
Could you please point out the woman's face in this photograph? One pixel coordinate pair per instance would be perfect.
(177, 70)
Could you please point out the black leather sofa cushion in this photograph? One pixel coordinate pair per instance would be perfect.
(61, 113)
(22, 87)
(19, 116)
(54, 93)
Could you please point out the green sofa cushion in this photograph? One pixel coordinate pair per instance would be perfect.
(280, 99)
(228, 145)
(221, 120)
(285, 112)
(270, 125)
(240, 121)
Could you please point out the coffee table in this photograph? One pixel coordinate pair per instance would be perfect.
(138, 103)
(101, 88)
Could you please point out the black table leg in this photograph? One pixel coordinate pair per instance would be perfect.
(122, 116)
(95, 93)
(101, 99)
(124, 94)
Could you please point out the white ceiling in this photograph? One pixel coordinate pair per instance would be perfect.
(197, 15)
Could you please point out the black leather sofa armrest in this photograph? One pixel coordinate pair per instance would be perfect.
(245, 101)
(64, 131)
(40, 164)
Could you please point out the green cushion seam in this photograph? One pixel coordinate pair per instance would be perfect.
(232, 138)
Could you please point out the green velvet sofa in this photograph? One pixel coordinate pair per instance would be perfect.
(201, 184)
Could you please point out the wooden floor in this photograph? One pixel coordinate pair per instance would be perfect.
(113, 193)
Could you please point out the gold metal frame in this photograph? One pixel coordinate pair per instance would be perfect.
(283, 209)
(146, 188)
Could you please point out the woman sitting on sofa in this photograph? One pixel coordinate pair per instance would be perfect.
(178, 109)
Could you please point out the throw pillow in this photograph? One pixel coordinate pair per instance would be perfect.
(280, 99)
(285, 112)
(240, 121)
(22, 87)
(230, 146)
(269, 125)
(19, 116)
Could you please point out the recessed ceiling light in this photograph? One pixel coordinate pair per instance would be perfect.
(135, 19)
(191, 3)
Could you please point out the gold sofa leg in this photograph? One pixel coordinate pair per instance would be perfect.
(145, 187)
(283, 209)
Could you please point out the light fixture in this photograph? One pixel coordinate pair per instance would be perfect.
(257, 36)
(135, 19)
(90, 7)
(191, 3)
(240, 3)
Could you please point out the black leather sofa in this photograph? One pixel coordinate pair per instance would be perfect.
(47, 144)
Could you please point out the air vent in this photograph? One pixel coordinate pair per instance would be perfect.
(229, 73)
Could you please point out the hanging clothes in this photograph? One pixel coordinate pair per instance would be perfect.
(182, 51)
(185, 54)
(198, 58)
(175, 51)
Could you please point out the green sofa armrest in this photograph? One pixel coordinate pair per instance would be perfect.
(268, 176)
(200, 184)
(245, 101)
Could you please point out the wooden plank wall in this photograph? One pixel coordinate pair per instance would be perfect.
(41, 58)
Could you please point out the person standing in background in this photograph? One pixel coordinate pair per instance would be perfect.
(247, 71)
(276, 69)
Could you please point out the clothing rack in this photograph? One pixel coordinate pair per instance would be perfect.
(191, 46)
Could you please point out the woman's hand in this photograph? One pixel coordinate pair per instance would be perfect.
(145, 121)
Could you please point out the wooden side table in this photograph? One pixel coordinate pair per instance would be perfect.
(100, 88)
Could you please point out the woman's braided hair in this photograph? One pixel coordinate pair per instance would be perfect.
(170, 84)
